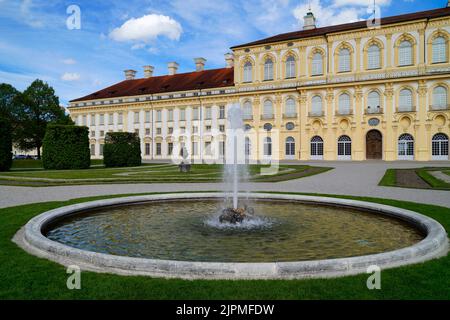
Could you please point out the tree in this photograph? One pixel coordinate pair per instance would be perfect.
(5, 145)
(37, 106)
(8, 101)
(122, 149)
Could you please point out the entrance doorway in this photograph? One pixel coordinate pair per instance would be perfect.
(374, 145)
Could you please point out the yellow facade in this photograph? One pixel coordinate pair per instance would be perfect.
(408, 106)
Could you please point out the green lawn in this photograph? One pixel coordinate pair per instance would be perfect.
(37, 164)
(390, 179)
(23, 276)
(148, 173)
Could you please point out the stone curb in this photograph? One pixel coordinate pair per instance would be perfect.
(435, 245)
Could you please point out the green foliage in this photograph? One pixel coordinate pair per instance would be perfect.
(5, 145)
(122, 149)
(8, 101)
(66, 147)
(37, 106)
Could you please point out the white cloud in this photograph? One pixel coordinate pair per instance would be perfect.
(138, 46)
(147, 28)
(69, 61)
(365, 3)
(68, 76)
(26, 10)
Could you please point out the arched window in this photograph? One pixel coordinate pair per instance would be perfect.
(440, 147)
(406, 147)
(248, 72)
(316, 148)
(268, 109)
(439, 50)
(268, 146)
(373, 57)
(317, 106)
(373, 102)
(344, 103)
(290, 147)
(268, 69)
(405, 53)
(290, 67)
(440, 98)
(290, 108)
(248, 147)
(344, 148)
(248, 111)
(405, 101)
(344, 60)
(317, 64)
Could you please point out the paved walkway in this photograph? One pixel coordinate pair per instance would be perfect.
(349, 178)
(441, 176)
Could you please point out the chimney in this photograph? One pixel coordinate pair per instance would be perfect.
(130, 74)
(173, 68)
(309, 21)
(229, 58)
(148, 71)
(199, 64)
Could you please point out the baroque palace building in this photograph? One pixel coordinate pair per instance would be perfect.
(356, 91)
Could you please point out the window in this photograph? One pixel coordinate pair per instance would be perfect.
(290, 108)
(344, 60)
(290, 126)
(440, 98)
(268, 109)
(440, 147)
(158, 116)
(439, 50)
(170, 115)
(221, 112)
(182, 115)
(120, 120)
(268, 146)
(405, 102)
(373, 57)
(268, 69)
(93, 150)
(222, 128)
(111, 119)
(248, 112)
(92, 133)
(406, 147)
(147, 149)
(102, 133)
(405, 53)
(248, 147)
(84, 120)
(136, 117)
(316, 148)
(290, 147)
(221, 148)
(290, 67)
(344, 103)
(208, 115)
(208, 148)
(317, 106)
(101, 149)
(317, 64)
(208, 128)
(182, 130)
(158, 130)
(102, 119)
(147, 132)
(373, 102)
(136, 131)
(194, 129)
(147, 116)
(344, 147)
(194, 148)
(92, 119)
(195, 114)
(170, 148)
(170, 130)
(158, 149)
(248, 72)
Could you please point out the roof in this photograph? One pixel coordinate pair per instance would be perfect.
(207, 79)
(430, 14)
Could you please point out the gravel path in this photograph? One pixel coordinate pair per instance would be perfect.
(348, 178)
(440, 175)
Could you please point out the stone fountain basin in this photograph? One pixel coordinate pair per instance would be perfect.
(434, 245)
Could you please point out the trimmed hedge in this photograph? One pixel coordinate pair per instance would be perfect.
(122, 149)
(66, 147)
(5, 145)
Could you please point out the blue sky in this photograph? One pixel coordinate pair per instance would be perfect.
(117, 35)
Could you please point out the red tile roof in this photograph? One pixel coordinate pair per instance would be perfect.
(207, 79)
(430, 14)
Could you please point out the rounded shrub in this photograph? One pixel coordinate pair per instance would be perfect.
(66, 147)
(5, 145)
(122, 149)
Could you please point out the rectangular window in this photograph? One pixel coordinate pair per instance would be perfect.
(194, 129)
(194, 148)
(92, 149)
(208, 113)
(102, 119)
(147, 116)
(92, 133)
(170, 130)
(195, 114)
(92, 119)
(158, 116)
(208, 149)
(182, 114)
(147, 132)
(120, 120)
(170, 115)
(222, 148)
(102, 133)
(170, 148)
(158, 130)
(182, 130)
(158, 149)
(222, 112)
(111, 119)
(208, 128)
(136, 117)
(222, 128)
(101, 149)
(147, 149)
